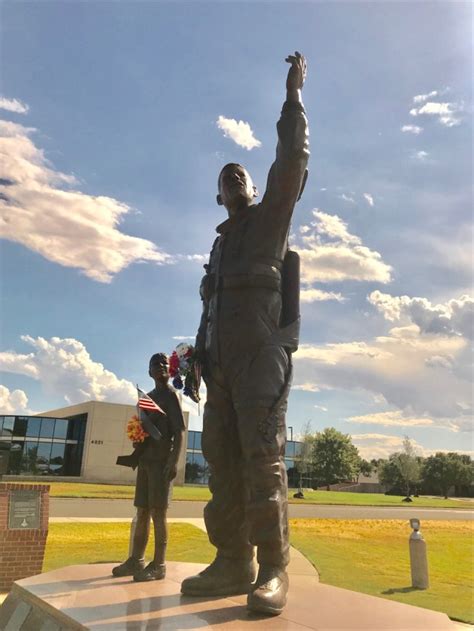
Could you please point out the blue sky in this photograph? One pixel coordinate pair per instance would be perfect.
(110, 118)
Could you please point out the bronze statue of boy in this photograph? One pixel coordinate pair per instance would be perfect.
(248, 330)
(157, 461)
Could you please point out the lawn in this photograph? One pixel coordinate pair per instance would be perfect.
(372, 556)
(75, 543)
(201, 493)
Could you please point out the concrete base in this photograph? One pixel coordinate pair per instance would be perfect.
(87, 597)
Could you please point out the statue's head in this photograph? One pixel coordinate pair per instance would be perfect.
(159, 367)
(236, 189)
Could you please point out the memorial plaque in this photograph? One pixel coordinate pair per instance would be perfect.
(24, 510)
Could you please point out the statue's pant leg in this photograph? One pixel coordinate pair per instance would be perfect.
(160, 528)
(225, 513)
(261, 423)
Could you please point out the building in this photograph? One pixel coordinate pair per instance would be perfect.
(83, 441)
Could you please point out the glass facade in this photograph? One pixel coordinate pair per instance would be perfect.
(197, 470)
(44, 446)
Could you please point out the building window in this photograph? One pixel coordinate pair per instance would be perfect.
(19, 428)
(47, 427)
(44, 446)
(6, 426)
(197, 471)
(33, 427)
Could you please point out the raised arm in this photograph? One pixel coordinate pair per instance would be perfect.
(296, 77)
(286, 176)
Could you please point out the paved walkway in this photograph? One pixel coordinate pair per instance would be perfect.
(89, 507)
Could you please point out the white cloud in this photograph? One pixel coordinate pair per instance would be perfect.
(315, 295)
(321, 407)
(420, 155)
(240, 132)
(67, 227)
(369, 198)
(448, 114)
(13, 401)
(183, 338)
(13, 105)
(198, 258)
(346, 198)
(455, 317)
(333, 227)
(382, 445)
(64, 366)
(394, 418)
(399, 367)
(330, 253)
(412, 129)
(421, 98)
(306, 387)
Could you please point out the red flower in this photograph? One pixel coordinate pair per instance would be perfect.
(174, 364)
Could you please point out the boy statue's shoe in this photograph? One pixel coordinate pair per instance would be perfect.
(224, 577)
(130, 567)
(268, 595)
(151, 572)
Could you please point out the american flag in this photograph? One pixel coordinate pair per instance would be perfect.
(145, 402)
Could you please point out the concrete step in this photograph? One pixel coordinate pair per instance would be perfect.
(87, 597)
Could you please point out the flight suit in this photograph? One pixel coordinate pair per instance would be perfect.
(247, 361)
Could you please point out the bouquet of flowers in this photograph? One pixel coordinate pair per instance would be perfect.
(185, 371)
(135, 431)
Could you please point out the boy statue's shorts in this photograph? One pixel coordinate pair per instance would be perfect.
(152, 489)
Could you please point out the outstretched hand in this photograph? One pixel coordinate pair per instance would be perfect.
(297, 72)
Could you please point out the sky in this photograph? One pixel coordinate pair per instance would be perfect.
(116, 118)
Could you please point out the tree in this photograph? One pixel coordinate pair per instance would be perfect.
(335, 458)
(389, 475)
(304, 462)
(444, 470)
(401, 472)
(365, 467)
(408, 465)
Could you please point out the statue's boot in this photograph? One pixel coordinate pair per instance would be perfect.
(151, 572)
(269, 592)
(224, 577)
(130, 567)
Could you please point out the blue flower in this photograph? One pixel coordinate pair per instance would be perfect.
(178, 382)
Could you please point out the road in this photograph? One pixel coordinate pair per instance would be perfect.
(72, 507)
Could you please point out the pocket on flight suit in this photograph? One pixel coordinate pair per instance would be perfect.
(262, 381)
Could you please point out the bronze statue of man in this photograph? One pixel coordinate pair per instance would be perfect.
(245, 341)
(157, 461)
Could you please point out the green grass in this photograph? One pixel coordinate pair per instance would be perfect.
(76, 543)
(371, 556)
(376, 499)
(201, 493)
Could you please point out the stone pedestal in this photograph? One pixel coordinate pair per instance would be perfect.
(87, 597)
(24, 511)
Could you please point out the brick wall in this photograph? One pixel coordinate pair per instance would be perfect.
(21, 551)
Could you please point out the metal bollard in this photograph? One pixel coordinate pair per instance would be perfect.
(133, 527)
(418, 558)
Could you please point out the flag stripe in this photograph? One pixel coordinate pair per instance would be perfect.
(145, 402)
